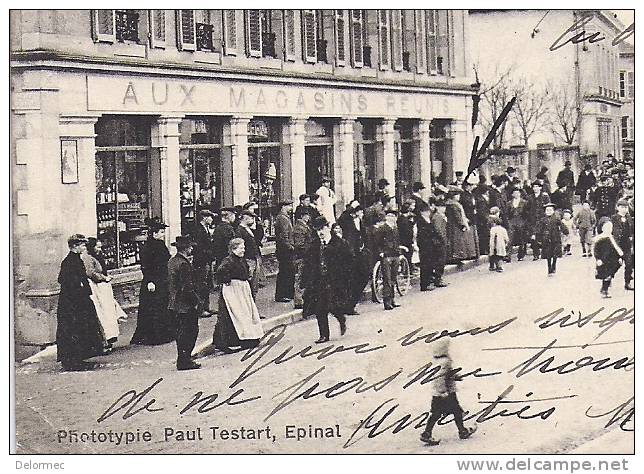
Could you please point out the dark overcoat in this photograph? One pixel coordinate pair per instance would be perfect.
(549, 230)
(604, 250)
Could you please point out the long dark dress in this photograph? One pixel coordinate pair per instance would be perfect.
(78, 332)
(154, 324)
(225, 335)
(461, 244)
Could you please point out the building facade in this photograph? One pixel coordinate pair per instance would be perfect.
(627, 95)
(581, 76)
(119, 115)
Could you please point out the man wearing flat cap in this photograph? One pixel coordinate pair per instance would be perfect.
(285, 254)
(202, 258)
(183, 301)
(624, 233)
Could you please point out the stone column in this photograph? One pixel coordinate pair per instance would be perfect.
(239, 149)
(424, 155)
(459, 131)
(385, 134)
(165, 136)
(343, 161)
(296, 139)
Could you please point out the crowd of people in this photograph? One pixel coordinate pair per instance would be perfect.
(325, 264)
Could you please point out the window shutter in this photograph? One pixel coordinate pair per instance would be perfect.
(230, 32)
(442, 42)
(289, 35)
(631, 84)
(357, 35)
(340, 37)
(383, 38)
(186, 30)
(104, 25)
(421, 41)
(254, 33)
(430, 16)
(625, 127)
(396, 40)
(157, 28)
(309, 36)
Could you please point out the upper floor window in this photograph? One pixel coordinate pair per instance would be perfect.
(627, 128)
(438, 41)
(229, 19)
(156, 19)
(194, 30)
(261, 38)
(626, 84)
(383, 38)
(309, 36)
(115, 25)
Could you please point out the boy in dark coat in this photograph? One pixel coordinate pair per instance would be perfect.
(549, 232)
(608, 255)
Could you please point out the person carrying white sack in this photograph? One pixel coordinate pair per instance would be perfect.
(108, 310)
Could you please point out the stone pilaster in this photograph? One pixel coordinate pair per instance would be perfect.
(343, 161)
(296, 139)
(238, 140)
(424, 154)
(385, 134)
(460, 133)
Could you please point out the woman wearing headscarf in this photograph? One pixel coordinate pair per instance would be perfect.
(154, 324)
(109, 312)
(78, 333)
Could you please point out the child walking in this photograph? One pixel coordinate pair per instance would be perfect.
(499, 241)
(608, 257)
(566, 239)
(585, 222)
(549, 237)
(444, 401)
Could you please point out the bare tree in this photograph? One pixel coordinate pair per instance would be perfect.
(564, 116)
(531, 109)
(495, 92)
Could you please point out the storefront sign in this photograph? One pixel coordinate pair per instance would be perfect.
(165, 96)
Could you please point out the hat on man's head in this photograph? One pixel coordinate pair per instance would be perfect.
(382, 182)
(207, 213)
(249, 204)
(510, 169)
(230, 210)
(154, 224)
(622, 202)
(182, 242)
(76, 239)
(549, 204)
(319, 223)
(458, 173)
(286, 202)
(417, 186)
(248, 213)
(537, 182)
(355, 209)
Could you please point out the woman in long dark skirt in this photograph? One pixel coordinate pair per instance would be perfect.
(341, 265)
(238, 322)
(154, 324)
(78, 333)
(609, 256)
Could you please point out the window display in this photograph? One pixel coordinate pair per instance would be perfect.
(364, 161)
(201, 175)
(403, 153)
(122, 188)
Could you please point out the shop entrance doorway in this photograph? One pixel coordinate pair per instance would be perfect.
(318, 163)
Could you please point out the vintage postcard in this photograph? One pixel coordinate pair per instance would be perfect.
(323, 231)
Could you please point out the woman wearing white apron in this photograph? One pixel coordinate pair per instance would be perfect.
(238, 322)
(326, 204)
(108, 310)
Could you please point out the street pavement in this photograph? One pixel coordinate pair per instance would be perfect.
(369, 391)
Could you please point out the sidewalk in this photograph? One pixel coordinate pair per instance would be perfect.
(273, 312)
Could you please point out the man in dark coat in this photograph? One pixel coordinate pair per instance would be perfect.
(419, 201)
(223, 234)
(387, 243)
(517, 220)
(605, 198)
(566, 182)
(302, 238)
(183, 301)
(202, 258)
(624, 232)
(482, 226)
(321, 272)
(354, 233)
(498, 197)
(251, 248)
(586, 181)
(562, 198)
(284, 252)
(534, 212)
(78, 332)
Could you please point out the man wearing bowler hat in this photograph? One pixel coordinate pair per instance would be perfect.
(387, 243)
(183, 301)
(285, 253)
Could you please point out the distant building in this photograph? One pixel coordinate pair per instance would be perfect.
(118, 115)
(627, 95)
(590, 72)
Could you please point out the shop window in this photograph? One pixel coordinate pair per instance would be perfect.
(265, 167)
(403, 154)
(123, 187)
(202, 177)
(366, 151)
